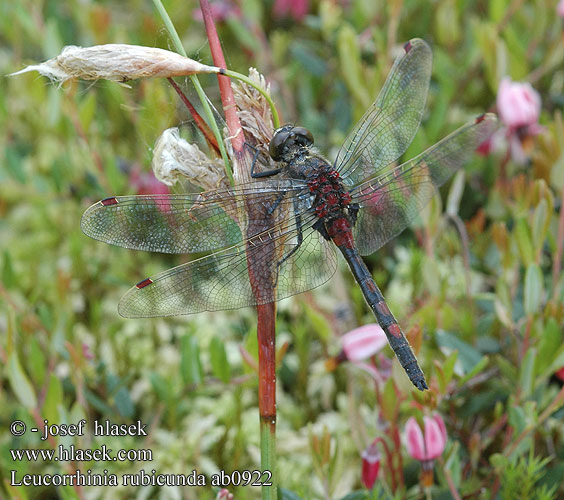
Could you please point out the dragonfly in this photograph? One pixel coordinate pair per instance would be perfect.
(278, 234)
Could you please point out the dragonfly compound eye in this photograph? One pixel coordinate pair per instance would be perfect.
(303, 136)
(278, 142)
(288, 138)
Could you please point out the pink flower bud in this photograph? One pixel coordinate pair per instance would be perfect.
(224, 494)
(363, 342)
(428, 446)
(560, 9)
(518, 104)
(370, 465)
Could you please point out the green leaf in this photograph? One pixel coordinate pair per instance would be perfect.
(21, 386)
(497, 10)
(480, 366)
(468, 356)
(190, 364)
(540, 225)
(123, 403)
(389, 400)
(284, 494)
(37, 364)
(357, 495)
(160, 386)
(550, 343)
(446, 370)
(533, 289)
(524, 243)
(8, 276)
(220, 365)
(350, 64)
(526, 372)
(53, 399)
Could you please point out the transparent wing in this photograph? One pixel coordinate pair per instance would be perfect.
(221, 280)
(185, 223)
(385, 131)
(390, 202)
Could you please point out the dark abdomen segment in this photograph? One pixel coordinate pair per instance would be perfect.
(385, 318)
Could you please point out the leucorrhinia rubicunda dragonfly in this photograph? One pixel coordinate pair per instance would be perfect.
(276, 235)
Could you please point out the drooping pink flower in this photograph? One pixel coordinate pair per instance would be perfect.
(428, 445)
(518, 104)
(519, 107)
(560, 9)
(370, 465)
(295, 8)
(363, 342)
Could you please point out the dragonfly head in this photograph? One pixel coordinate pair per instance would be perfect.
(289, 140)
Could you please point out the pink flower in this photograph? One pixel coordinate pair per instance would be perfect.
(363, 342)
(518, 104)
(359, 344)
(224, 494)
(146, 182)
(426, 447)
(560, 9)
(430, 445)
(296, 8)
(370, 465)
(519, 107)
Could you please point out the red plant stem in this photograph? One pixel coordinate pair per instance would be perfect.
(267, 364)
(227, 99)
(200, 122)
(266, 312)
(526, 338)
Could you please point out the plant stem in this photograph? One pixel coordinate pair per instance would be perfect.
(200, 122)
(199, 90)
(266, 316)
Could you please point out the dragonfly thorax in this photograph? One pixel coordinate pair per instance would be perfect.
(331, 199)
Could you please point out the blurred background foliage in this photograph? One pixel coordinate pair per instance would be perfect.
(477, 279)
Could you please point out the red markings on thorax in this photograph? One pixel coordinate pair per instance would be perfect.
(331, 196)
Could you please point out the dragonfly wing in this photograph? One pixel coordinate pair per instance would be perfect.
(385, 131)
(221, 280)
(390, 202)
(184, 223)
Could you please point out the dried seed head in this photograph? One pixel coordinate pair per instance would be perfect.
(117, 62)
(256, 120)
(175, 159)
(253, 109)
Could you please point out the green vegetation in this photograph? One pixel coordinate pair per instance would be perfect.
(476, 282)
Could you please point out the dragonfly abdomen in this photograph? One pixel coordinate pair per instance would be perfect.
(385, 318)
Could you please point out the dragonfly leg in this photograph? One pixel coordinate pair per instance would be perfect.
(300, 238)
(258, 175)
